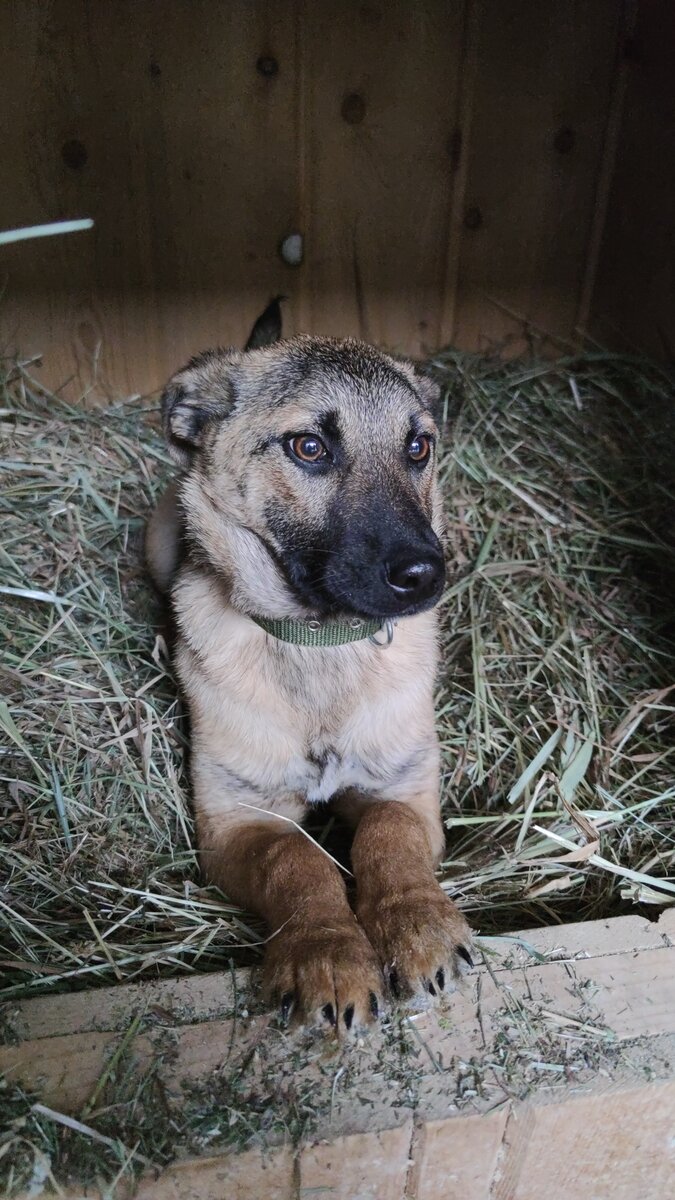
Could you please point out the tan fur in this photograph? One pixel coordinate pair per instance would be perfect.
(162, 539)
(276, 727)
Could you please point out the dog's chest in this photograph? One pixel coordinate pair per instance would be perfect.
(330, 747)
(279, 721)
(324, 772)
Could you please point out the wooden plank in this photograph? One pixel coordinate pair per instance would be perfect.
(174, 1001)
(195, 998)
(459, 159)
(181, 150)
(593, 939)
(540, 106)
(251, 1175)
(634, 299)
(575, 1147)
(636, 993)
(64, 1070)
(457, 1161)
(611, 998)
(621, 75)
(381, 117)
(619, 1149)
(366, 1166)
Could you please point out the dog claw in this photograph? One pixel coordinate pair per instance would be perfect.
(329, 1013)
(440, 978)
(286, 1005)
(349, 1016)
(374, 1006)
(464, 953)
(430, 987)
(394, 983)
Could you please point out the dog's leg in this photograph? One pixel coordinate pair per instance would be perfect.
(420, 936)
(162, 539)
(318, 961)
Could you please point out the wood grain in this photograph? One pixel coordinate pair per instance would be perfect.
(610, 982)
(544, 76)
(194, 166)
(381, 115)
(182, 152)
(618, 1149)
(634, 300)
(441, 161)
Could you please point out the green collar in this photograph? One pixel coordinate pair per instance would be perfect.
(336, 632)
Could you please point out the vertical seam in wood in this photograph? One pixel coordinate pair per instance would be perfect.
(463, 110)
(303, 186)
(359, 290)
(608, 158)
(415, 1156)
(296, 1180)
(503, 1155)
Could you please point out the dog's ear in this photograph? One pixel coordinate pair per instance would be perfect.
(267, 328)
(196, 396)
(429, 392)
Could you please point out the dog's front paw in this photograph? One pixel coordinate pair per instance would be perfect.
(324, 972)
(422, 939)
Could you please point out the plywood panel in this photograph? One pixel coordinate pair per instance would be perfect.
(620, 1149)
(459, 1165)
(634, 301)
(436, 157)
(156, 121)
(366, 1166)
(382, 84)
(532, 1064)
(249, 1176)
(542, 86)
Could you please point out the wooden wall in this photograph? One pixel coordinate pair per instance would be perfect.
(448, 162)
(634, 298)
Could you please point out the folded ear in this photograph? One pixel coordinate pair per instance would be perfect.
(196, 396)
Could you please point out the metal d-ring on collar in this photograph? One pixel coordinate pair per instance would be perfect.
(388, 628)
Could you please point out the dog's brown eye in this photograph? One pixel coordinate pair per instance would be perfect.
(307, 448)
(419, 449)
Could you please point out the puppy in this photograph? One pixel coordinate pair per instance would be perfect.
(301, 550)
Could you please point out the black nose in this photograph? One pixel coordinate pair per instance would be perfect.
(414, 577)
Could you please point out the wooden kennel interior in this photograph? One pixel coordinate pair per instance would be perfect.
(465, 171)
(485, 173)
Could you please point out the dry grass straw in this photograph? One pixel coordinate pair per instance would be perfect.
(557, 706)
(555, 709)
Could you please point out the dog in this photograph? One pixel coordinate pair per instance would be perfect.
(301, 550)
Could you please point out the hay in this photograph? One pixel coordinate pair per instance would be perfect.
(558, 703)
(555, 708)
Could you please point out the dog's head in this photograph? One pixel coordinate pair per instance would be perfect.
(311, 477)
